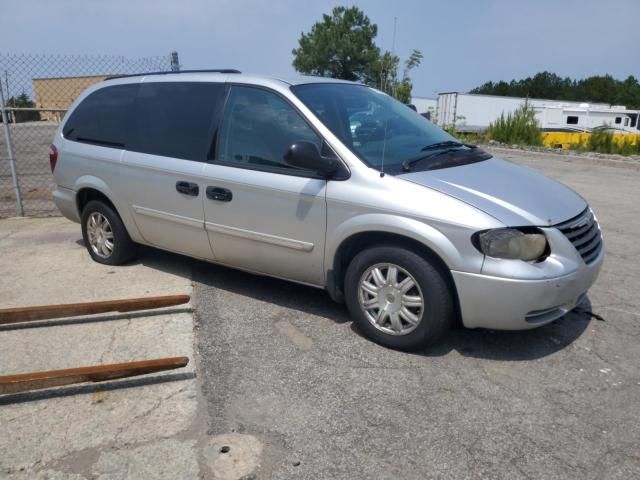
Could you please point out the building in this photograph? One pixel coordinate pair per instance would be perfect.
(54, 95)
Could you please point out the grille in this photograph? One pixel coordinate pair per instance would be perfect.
(584, 233)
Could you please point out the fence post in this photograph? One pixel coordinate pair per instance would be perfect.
(175, 63)
(12, 161)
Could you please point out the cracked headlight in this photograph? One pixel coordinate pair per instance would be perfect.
(514, 244)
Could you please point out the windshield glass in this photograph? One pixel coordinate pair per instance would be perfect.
(373, 125)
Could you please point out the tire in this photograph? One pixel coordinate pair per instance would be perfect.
(418, 326)
(111, 228)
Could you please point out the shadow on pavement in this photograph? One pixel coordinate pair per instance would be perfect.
(307, 300)
(516, 345)
(485, 344)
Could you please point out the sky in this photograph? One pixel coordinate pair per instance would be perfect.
(464, 42)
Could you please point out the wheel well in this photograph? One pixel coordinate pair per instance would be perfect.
(85, 195)
(350, 247)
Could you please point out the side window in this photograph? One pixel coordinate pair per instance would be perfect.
(101, 118)
(258, 127)
(174, 119)
(572, 120)
(618, 120)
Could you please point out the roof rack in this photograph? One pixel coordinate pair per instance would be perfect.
(220, 70)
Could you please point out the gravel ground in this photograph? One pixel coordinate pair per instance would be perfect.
(283, 368)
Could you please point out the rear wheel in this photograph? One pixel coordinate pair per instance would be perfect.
(105, 236)
(398, 298)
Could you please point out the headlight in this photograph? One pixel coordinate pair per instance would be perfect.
(512, 244)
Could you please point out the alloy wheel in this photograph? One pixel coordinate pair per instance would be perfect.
(100, 235)
(391, 299)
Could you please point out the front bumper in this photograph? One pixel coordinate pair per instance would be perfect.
(511, 304)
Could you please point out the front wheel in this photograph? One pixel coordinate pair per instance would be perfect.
(398, 298)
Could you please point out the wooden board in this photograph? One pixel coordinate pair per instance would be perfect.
(97, 373)
(44, 312)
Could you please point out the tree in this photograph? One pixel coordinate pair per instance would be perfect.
(383, 72)
(23, 101)
(404, 87)
(342, 45)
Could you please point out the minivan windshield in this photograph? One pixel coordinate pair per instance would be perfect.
(375, 126)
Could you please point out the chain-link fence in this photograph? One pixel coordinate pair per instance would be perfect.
(36, 92)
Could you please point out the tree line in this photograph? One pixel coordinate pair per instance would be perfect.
(598, 88)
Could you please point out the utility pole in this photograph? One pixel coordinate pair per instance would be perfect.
(393, 43)
(393, 54)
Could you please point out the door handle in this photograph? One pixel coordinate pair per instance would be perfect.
(188, 188)
(219, 194)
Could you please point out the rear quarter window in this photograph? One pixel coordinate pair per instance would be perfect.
(101, 118)
(175, 119)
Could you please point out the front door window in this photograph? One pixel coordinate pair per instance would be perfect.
(258, 127)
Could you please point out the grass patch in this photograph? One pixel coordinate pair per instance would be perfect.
(604, 141)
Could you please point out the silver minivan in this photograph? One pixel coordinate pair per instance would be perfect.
(327, 183)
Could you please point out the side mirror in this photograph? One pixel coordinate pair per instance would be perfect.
(306, 155)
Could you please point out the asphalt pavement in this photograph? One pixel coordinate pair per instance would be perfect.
(303, 395)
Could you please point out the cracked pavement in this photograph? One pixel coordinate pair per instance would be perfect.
(145, 427)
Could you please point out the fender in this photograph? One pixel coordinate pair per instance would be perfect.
(90, 181)
(395, 224)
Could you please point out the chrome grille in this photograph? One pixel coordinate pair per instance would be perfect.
(584, 233)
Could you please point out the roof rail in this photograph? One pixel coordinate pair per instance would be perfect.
(219, 70)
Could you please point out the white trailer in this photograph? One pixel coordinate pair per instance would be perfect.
(587, 117)
(466, 112)
(425, 106)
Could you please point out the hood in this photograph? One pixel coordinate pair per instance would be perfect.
(515, 195)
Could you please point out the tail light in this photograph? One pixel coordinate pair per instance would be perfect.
(53, 157)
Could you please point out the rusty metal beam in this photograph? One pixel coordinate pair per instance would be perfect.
(44, 312)
(97, 373)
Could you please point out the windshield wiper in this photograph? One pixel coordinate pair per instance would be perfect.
(450, 162)
(446, 143)
(453, 146)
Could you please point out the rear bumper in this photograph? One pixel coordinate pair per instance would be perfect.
(65, 200)
(512, 304)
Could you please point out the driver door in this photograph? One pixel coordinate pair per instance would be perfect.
(261, 214)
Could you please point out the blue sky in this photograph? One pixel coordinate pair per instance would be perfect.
(464, 42)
